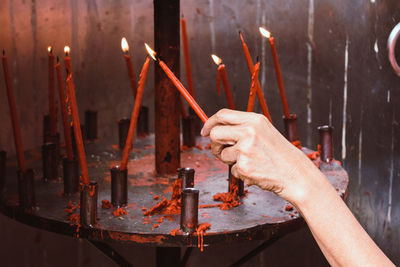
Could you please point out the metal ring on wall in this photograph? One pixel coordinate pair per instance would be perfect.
(391, 47)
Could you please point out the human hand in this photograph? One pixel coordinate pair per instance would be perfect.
(260, 155)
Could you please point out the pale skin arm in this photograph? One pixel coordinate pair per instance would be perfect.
(262, 156)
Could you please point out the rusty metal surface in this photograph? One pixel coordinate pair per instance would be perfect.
(261, 215)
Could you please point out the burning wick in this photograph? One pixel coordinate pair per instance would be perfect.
(66, 50)
(267, 35)
(177, 84)
(129, 65)
(124, 45)
(222, 75)
(50, 49)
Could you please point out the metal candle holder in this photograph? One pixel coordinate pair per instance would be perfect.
(188, 131)
(71, 176)
(187, 176)
(291, 128)
(326, 142)
(50, 161)
(143, 122)
(119, 186)
(46, 127)
(91, 124)
(88, 204)
(26, 188)
(233, 181)
(123, 129)
(189, 209)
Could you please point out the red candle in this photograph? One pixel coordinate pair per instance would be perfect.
(218, 83)
(260, 94)
(267, 34)
(64, 112)
(186, 54)
(52, 94)
(253, 88)
(14, 116)
(77, 130)
(135, 114)
(178, 85)
(224, 78)
(67, 59)
(129, 65)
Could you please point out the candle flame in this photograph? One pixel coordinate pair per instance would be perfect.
(150, 51)
(264, 32)
(124, 45)
(67, 50)
(50, 49)
(216, 59)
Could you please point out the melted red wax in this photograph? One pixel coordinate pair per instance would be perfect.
(200, 231)
(71, 207)
(297, 144)
(105, 204)
(172, 206)
(230, 199)
(119, 212)
(289, 208)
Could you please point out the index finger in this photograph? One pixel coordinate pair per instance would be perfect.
(225, 117)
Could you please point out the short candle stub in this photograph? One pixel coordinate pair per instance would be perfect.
(70, 176)
(123, 129)
(326, 142)
(91, 124)
(26, 189)
(188, 131)
(291, 128)
(3, 161)
(142, 127)
(119, 186)
(88, 204)
(233, 180)
(190, 209)
(187, 176)
(50, 161)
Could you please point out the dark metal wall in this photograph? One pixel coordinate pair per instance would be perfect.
(333, 58)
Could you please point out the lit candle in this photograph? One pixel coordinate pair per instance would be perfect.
(186, 54)
(178, 85)
(129, 65)
(224, 77)
(267, 35)
(14, 116)
(135, 114)
(77, 129)
(253, 87)
(52, 95)
(67, 59)
(64, 112)
(260, 94)
(218, 83)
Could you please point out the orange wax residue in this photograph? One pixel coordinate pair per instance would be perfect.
(105, 204)
(289, 208)
(74, 218)
(172, 206)
(119, 212)
(92, 190)
(199, 147)
(156, 197)
(174, 231)
(201, 228)
(185, 148)
(208, 146)
(297, 144)
(209, 206)
(71, 207)
(230, 199)
(156, 226)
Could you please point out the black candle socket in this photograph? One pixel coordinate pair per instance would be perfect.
(123, 129)
(187, 176)
(326, 142)
(3, 160)
(91, 124)
(88, 204)
(26, 188)
(119, 186)
(50, 161)
(143, 122)
(46, 127)
(291, 128)
(188, 131)
(235, 181)
(189, 209)
(71, 176)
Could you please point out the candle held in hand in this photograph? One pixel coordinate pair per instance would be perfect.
(267, 35)
(260, 94)
(14, 116)
(253, 88)
(135, 114)
(129, 65)
(224, 77)
(52, 95)
(178, 85)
